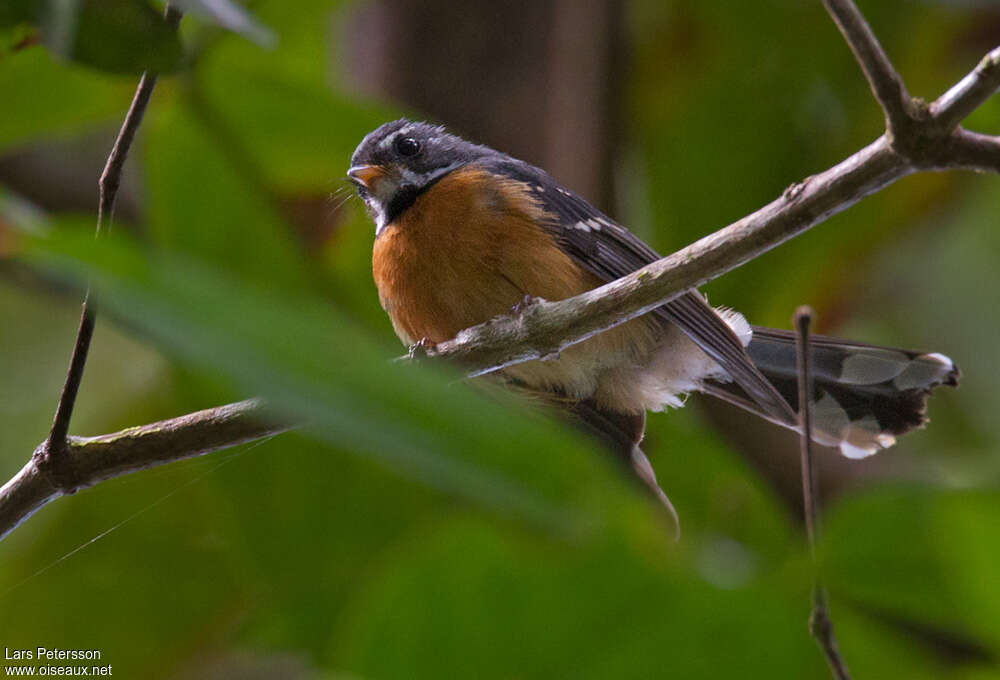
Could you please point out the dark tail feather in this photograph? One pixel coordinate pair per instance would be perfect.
(864, 395)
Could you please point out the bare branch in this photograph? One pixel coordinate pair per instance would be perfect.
(969, 93)
(820, 624)
(974, 151)
(108, 190)
(801, 322)
(821, 628)
(546, 328)
(89, 460)
(884, 80)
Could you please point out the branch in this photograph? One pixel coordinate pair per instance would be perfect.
(884, 80)
(108, 190)
(969, 93)
(543, 329)
(974, 151)
(820, 624)
(810, 487)
(88, 460)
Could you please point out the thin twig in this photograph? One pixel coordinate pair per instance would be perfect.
(821, 628)
(969, 93)
(885, 82)
(820, 624)
(108, 190)
(802, 320)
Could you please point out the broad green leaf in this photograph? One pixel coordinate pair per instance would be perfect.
(518, 609)
(117, 36)
(18, 12)
(920, 555)
(38, 86)
(227, 215)
(317, 365)
(229, 15)
(299, 135)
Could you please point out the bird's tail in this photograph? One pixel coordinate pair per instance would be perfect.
(864, 396)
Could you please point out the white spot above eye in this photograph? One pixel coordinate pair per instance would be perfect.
(387, 142)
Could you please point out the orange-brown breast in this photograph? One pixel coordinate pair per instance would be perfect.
(468, 250)
(463, 253)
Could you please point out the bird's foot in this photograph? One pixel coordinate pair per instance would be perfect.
(523, 304)
(421, 348)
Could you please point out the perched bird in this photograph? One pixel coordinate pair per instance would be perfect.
(464, 232)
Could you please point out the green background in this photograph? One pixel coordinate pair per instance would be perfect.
(421, 528)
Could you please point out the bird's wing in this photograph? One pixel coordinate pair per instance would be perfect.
(610, 251)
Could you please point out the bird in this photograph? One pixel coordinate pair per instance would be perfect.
(465, 233)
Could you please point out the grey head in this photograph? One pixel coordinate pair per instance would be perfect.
(398, 161)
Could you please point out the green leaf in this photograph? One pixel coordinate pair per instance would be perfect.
(517, 609)
(920, 555)
(117, 36)
(300, 135)
(18, 12)
(231, 16)
(226, 215)
(315, 364)
(43, 86)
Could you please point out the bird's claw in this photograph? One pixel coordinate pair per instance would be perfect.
(421, 348)
(523, 304)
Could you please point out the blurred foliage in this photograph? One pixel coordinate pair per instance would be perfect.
(424, 528)
(118, 36)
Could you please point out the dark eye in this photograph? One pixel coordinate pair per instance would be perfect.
(407, 146)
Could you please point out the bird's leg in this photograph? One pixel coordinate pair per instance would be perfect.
(523, 304)
(421, 348)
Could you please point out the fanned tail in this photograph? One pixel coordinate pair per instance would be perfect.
(864, 396)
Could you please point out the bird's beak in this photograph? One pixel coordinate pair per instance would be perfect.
(366, 175)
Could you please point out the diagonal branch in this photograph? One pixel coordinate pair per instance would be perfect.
(89, 460)
(969, 93)
(884, 80)
(542, 329)
(545, 328)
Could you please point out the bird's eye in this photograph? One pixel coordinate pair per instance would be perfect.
(406, 146)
